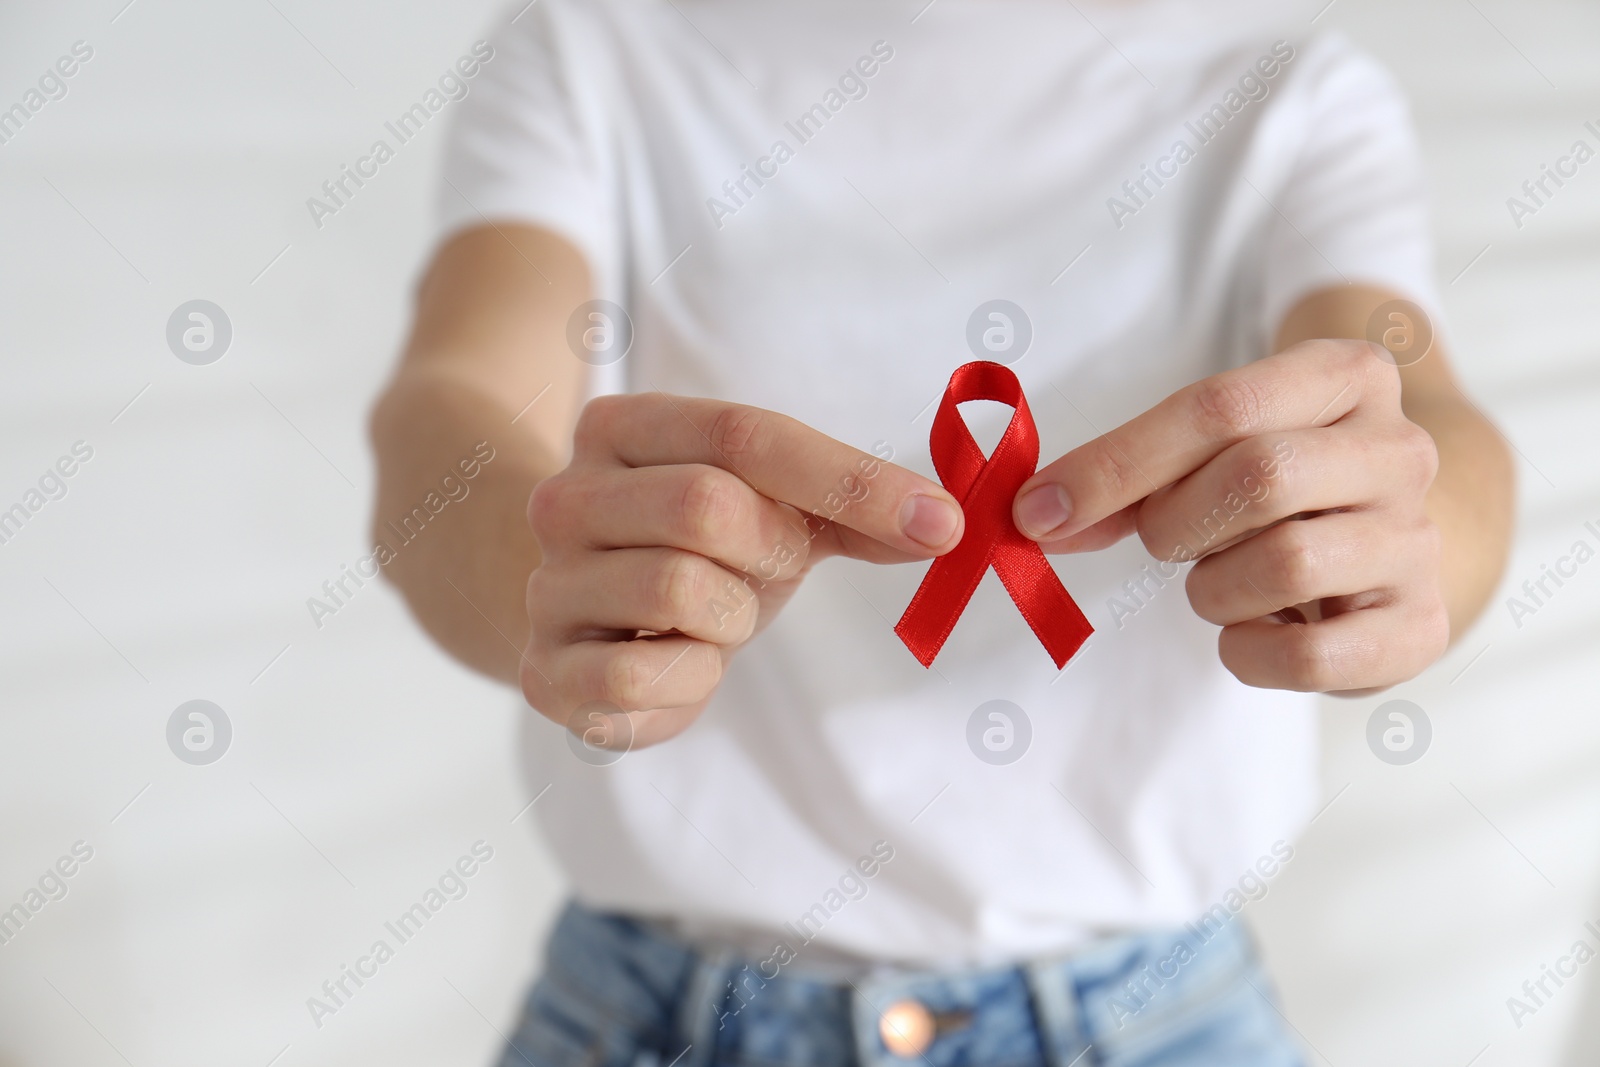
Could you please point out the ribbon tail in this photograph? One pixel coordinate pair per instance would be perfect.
(1051, 613)
(939, 602)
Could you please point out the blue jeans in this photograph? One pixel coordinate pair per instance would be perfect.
(617, 994)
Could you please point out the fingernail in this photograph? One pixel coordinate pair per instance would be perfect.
(1042, 510)
(928, 520)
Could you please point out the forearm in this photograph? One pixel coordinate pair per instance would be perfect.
(487, 368)
(464, 573)
(1471, 502)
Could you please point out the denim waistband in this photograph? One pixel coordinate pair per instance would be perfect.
(615, 990)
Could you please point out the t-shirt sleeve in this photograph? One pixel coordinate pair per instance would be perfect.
(1354, 206)
(526, 145)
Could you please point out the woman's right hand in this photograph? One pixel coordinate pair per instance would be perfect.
(677, 532)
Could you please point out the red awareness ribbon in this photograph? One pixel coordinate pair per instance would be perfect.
(986, 489)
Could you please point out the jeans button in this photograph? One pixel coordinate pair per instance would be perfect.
(907, 1028)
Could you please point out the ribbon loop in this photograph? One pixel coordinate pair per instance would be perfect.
(986, 488)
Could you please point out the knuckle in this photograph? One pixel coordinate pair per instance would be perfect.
(786, 557)
(1115, 475)
(738, 432)
(1430, 629)
(749, 618)
(1375, 365)
(676, 586)
(1262, 459)
(1162, 529)
(1204, 595)
(1431, 540)
(732, 608)
(1359, 359)
(1292, 562)
(535, 669)
(710, 505)
(1151, 523)
(545, 503)
(538, 578)
(597, 419)
(1433, 629)
(535, 690)
(1306, 663)
(715, 665)
(1421, 453)
(791, 554)
(545, 631)
(625, 679)
(1356, 355)
(1230, 406)
(1258, 470)
(551, 509)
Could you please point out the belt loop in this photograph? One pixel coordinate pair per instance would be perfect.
(698, 1010)
(1055, 1005)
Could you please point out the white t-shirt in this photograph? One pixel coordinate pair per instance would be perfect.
(930, 163)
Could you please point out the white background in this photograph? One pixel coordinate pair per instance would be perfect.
(363, 763)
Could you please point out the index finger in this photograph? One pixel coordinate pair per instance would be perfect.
(782, 459)
(1315, 384)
